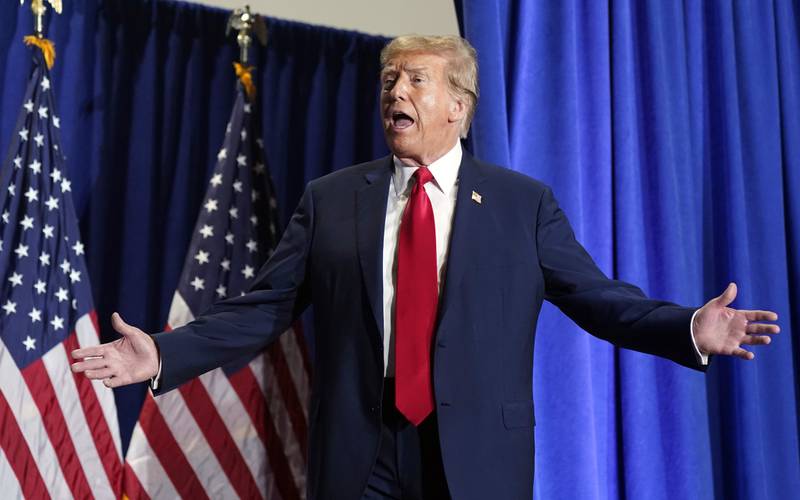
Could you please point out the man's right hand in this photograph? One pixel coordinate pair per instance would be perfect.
(131, 359)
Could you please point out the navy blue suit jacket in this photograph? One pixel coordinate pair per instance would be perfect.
(507, 254)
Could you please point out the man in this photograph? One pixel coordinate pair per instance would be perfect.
(427, 270)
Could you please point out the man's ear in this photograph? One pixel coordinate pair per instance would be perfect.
(458, 111)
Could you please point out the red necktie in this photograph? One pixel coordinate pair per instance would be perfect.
(416, 298)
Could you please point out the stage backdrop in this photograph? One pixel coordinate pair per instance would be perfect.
(670, 132)
(144, 91)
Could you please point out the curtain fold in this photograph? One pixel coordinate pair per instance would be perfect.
(669, 132)
(145, 89)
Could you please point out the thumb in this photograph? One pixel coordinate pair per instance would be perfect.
(727, 296)
(121, 327)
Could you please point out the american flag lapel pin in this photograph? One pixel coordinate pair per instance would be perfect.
(476, 197)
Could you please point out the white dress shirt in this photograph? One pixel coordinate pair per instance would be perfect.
(442, 193)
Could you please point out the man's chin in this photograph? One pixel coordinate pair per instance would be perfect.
(402, 147)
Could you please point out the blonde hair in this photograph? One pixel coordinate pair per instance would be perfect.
(462, 65)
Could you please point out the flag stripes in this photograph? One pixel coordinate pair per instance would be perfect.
(22, 464)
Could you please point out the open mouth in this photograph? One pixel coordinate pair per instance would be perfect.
(401, 120)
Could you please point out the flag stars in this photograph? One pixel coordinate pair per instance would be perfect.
(57, 322)
(39, 140)
(5, 216)
(75, 304)
(260, 142)
(254, 220)
(26, 222)
(78, 248)
(18, 162)
(216, 180)
(254, 195)
(36, 166)
(211, 205)
(241, 160)
(207, 231)
(248, 272)
(15, 279)
(52, 203)
(225, 264)
(222, 291)
(40, 286)
(32, 195)
(56, 121)
(23, 135)
(247, 107)
(252, 246)
(10, 307)
(44, 259)
(237, 186)
(45, 83)
(47, 230)
(61, 294)
(229, 238)
(28, 106)
(21, 251)
(243, 135)
(259, 168)
(223, 153)
(29, 343)
(42, 111)
(198, 284)
(202, 257)
(74, 276)
(66, 186)
(234, 213)
(12, 190)
(65, 266)
(55, 175)
(35, 315)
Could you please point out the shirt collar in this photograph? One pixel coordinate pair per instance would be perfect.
(444, 171)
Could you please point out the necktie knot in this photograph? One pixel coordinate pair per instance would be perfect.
(423, 175)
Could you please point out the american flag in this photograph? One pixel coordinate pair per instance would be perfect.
(59, 436)
(238, 431)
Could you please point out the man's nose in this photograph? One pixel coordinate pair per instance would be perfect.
(398, 91)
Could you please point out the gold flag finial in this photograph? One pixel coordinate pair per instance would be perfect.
(39, 8)
(245, 22)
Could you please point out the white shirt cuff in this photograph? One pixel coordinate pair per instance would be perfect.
(701, 358)
(154, 382)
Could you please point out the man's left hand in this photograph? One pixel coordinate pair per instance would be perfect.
(719, 329)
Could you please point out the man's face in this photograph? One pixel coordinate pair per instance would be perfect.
(421, 119)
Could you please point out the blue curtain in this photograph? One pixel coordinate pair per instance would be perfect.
(144, 90)
(669, 131)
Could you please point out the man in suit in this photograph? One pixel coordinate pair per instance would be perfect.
(427, 270)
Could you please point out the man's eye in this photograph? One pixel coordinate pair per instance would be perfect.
(388, 83)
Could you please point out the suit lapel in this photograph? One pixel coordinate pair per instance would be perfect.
(468, 216)
(370, 221)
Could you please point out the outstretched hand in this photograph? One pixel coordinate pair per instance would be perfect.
(719, 329)
(131, 359)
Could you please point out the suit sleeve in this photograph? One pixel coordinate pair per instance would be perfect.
(609, 309)
(244, 325)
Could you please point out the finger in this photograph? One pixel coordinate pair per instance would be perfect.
(120, 326)
(743, 354)
(762, 328)
(756, 340)
(100, 374)
(728, 295)
(760, 315)
(87, 352)
(113, 382)
(89, 364)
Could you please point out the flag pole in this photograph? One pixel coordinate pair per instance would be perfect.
(39, 8)
(245, 22)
